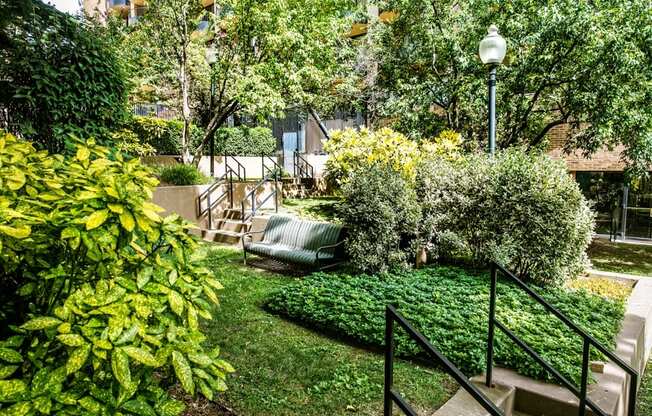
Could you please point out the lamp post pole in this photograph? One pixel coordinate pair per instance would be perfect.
(492, 110)
(212, 134)
(492, 52)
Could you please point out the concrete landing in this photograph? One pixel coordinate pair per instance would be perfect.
(462, 404)
(609, 392)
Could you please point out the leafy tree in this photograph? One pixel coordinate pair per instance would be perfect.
(275, 54)
(582, 63)
(58, 76)
(167, 30)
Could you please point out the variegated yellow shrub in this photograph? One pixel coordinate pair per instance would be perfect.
(350, 150)
(101, 297)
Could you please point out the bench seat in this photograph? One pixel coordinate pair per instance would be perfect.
(296, 241)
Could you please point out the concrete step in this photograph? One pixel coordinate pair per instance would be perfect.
(232, 225)
(226, 237)
(463, 404)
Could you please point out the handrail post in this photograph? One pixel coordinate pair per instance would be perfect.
(231, 187)
(492, 321)
(210, 212)
(633, 389)
(276, 196)
(389, 362)
(585, 375)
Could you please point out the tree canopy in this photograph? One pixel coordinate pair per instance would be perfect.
(58, 76)
(583, 63)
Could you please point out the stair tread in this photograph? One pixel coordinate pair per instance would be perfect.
(229, 233)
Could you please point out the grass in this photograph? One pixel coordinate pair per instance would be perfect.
(621, 258)
(317, 208)
(286, 369)
(644, 401)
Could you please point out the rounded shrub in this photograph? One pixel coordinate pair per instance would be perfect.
(522, 210)
(182, 175)
(381, 213)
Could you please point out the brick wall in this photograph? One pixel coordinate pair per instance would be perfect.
(602, 161)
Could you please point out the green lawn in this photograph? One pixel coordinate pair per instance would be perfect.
(621, 258)
(286, 369)
(644, 405)
(317, 208)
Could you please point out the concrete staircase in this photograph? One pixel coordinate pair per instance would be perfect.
(298, 187)
(229, 227)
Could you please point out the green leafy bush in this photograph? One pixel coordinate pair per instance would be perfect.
(522, 210)
(163, 135)
(450, 307)
(58, 77)
(108, 294)
(244, 141)
(181, 175)
(381, 213)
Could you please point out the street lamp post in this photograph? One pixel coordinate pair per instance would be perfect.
(211, 58)
(492, 52)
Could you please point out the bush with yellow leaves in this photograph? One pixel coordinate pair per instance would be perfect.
(101, 299)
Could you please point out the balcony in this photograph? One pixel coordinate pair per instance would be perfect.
(360, 29)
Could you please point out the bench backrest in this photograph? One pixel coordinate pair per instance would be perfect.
(293, 232)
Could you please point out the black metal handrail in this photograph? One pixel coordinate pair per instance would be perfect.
(588, 342)
(240, 171)
(391, 396)
(270, 173)
(302, 168)
(211, 204)
(255, 206)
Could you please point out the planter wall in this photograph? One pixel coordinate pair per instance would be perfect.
(182, 200)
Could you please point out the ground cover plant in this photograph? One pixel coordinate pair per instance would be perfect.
(101, 301)
(644, 403)
(449, 306)
(283, 368)
(621, 258)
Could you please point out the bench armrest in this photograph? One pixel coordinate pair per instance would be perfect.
(322, 248)
(249, 234)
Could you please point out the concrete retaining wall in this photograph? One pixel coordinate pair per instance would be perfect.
(183, 199)
(252, 164)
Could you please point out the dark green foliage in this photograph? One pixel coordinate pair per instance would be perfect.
(244, 141)
(162, 135)
(521, 210)
(182, 175)
(583, 63)
(381, 212)
(450, 307)
(58, 76)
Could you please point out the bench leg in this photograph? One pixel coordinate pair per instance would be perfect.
(244, 252)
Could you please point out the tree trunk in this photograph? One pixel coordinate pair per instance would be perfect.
(216, 121)
(185, 109)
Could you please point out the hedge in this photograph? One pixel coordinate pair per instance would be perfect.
(162, 135)
(450, 307)
(165, 137)
(244, 141)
